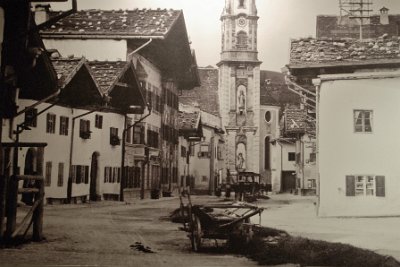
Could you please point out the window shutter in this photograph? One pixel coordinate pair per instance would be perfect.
(86, 174)
(380, 186)
(350, 186)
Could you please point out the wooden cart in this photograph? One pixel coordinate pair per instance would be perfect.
(218, 221)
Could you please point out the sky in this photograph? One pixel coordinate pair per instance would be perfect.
(280, 20)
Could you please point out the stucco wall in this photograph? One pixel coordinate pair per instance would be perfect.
(343, 152)
(111, 50)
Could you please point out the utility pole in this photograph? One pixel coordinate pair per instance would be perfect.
(357, 9)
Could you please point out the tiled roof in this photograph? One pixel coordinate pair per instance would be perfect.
(295, 120)
(188, 121)
(66, 68)
(106, 72)
(311, 52)
(273, 89)
(206, 96)
(136, 22)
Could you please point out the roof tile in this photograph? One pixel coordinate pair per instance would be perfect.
(111, 22)
(317, 51)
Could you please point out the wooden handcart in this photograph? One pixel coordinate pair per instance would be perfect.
(218, 221)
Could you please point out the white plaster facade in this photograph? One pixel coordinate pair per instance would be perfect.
(344, 152)
(59, 147)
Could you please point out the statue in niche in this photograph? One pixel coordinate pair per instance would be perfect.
(241, 101)
(240, 158)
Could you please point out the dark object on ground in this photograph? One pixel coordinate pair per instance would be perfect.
(228, 192)
(270, 246)
(155, 193)
(218, 192)
(140, 247)
(176, 215)
(167, 194)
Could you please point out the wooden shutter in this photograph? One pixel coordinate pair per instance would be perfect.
(350, 185)
(86, 174)
(380, 186)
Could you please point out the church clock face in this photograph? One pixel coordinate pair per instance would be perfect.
(242, 22)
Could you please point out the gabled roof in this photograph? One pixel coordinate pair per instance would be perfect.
(308, 53)
(118, 80)
(75, 78)
(188, 121)
(66, 68)
(206, 95)
(107, 73)
(127, 23)
(190, 124)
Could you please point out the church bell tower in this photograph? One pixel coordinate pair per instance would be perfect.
(239, 85)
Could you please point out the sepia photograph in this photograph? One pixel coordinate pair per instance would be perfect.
(199, 133)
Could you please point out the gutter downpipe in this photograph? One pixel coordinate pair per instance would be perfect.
(317, 84)
(69, 185)
(123, 176)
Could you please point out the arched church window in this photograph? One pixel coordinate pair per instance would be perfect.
(241, 3)
(242, 40)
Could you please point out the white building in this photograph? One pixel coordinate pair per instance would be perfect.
(207, 165)
(156, 41)
(357, 96)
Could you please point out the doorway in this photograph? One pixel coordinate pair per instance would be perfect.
(93, 177)
(288, 181)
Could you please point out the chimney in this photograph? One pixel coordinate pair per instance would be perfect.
(384, 16)
(41, 13)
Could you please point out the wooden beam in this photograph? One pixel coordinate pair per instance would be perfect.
(27, 190)
(24, 144)
(30, 177)
(25, 220)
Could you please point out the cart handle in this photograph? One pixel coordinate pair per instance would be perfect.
(258, 211)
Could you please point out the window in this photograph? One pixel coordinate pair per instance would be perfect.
(138, 134)
(312, 183)
(113, 174)
(31, 117)
(60, 180)
(365, 185)
(114, 139)
(51, 123)
(64, 121)
(241, 3)
(84, 129)
(313, 157)
(291, 156)
(204, 178)
(98, 123)
(183, 152)
(242, 40)
(204, 152)
(80, 174)
(268, 116)
(47, 180)
(363, 121)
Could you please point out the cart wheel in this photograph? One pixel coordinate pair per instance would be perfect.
(196, 233)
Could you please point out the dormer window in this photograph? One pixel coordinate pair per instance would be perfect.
(241, 3)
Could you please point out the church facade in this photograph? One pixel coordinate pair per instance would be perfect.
(239, 86)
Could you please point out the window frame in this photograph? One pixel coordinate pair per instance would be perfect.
(371, 120)
(64, 125)
(51, 120)
(375, 186)
(98, 122)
